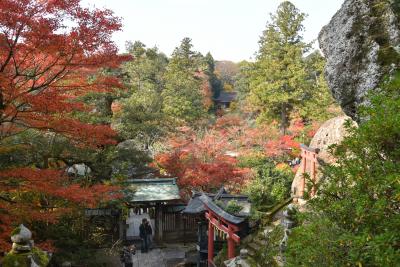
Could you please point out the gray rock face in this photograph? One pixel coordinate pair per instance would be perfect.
(361, 45)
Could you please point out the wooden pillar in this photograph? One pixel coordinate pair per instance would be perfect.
(184, 222)
(210, 241)
(159, 222)
(122, 227)
(231, 243)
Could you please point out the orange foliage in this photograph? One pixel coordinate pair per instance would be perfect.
(206, 93)
(209, 160)
(45, 65)
(281, 146)
(201, 162)
(51, 52)
(47, 195)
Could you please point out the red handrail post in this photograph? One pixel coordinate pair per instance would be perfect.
(210, 241)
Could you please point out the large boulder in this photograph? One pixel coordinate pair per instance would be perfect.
(361, 45)
(330, 133)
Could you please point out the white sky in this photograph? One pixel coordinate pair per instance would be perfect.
(229, 29)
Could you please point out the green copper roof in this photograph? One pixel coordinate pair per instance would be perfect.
(152, 190)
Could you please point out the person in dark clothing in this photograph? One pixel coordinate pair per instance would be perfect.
(143, 230)
(126, 256)
(149, 233)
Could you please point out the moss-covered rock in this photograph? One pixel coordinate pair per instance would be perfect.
(17, 260)
(24, 259)
(40, 257)
(16, 230)
(362, 45)
(264, 246)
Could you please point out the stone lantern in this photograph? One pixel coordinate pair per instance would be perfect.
(288, 222)
(23, 253)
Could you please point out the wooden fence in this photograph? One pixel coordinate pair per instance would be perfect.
(178, 226)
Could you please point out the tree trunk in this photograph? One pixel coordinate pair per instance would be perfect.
(45, 162)
(284, 119)
(108, 101)
(2, 107)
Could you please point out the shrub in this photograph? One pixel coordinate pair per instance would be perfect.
(358, 203)
(270, 186)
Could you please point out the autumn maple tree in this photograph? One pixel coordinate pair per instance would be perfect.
(50, 54)
(206, 160)
(201, 162)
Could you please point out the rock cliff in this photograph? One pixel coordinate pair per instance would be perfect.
(361, 45)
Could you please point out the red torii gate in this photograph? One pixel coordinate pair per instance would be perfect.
(225, 222)
(308, 166)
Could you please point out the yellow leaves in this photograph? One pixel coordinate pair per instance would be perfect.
(8, 149)
(228, 87)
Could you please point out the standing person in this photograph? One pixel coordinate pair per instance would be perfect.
(143, 236)
(149, 234)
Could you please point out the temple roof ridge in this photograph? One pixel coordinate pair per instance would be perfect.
(208, 202)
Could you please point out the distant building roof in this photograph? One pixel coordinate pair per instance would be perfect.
(152, 190)
(226, 97)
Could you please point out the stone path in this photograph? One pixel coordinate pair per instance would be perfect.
(166, 257)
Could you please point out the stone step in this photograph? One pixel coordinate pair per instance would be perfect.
(260, 241)
(251, 253)
(248, 239)
(254, 246)
(251, 248)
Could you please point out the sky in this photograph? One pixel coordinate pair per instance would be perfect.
(229, 29)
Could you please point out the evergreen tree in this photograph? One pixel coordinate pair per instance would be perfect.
(182, 96)
(140, 116)
(279, 79)
(146, 70)
(242, 81)
(317, 103)
(213, 79)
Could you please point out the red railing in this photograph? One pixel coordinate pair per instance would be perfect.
(308, 166)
